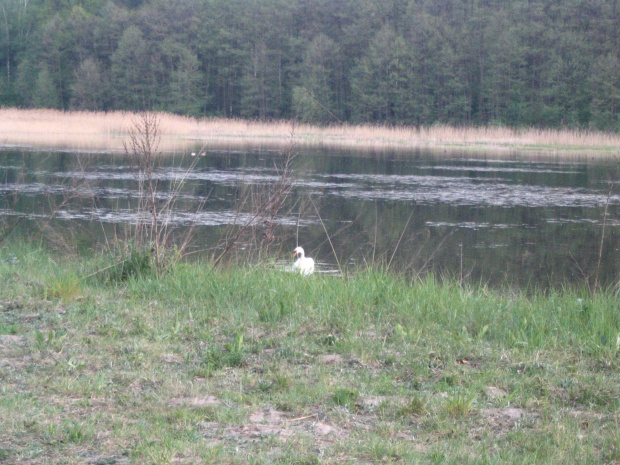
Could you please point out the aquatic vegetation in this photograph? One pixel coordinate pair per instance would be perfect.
(106, 131)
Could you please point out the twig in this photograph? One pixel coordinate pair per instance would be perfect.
(327, 234)
(585, 276)
(103, 269)
(265, 205)
(399, 241)
(303, 418)
(601, 243)
(432, 255)
(374, 244)
(10, 229)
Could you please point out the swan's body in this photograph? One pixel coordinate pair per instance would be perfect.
(303, 264)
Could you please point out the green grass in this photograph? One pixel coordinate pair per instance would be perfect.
(248, 365)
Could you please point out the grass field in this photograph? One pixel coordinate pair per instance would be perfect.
(249, 365)
(107, 131)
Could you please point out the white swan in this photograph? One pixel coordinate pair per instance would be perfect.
(303, 264)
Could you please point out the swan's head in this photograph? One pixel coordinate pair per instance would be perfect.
(298, 252)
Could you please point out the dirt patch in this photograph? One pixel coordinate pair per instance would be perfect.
(7, 340)
(10, 349)
(267, 417)
(273, 424)
(194, 402)
(370, 403)
(493, 392)
(172, 358)
(331, 359)
(501, 420)
(10, 305)
(113, 460)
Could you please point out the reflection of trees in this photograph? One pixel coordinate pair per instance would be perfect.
(516, 245)
(512, 246)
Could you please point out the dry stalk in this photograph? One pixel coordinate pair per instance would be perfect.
(433, 254)
(153, 228)
(327, 235)
(52, 128)
(599, 260)
(400, 240)
(258, 230)
(74, 186)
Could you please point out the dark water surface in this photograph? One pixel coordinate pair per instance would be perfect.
(502, 221)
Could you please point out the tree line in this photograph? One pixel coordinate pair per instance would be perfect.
(547, 63)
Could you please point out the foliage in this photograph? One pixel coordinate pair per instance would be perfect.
(345, 397)
(232, 355)
(135, 262)
(64, 287)
(517, 63)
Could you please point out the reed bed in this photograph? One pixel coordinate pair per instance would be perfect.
(107, 131)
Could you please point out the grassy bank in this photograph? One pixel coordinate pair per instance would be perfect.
(248, 365)
(107, 132)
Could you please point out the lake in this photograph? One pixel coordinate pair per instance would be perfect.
(497, 220)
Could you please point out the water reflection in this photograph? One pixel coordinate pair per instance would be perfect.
(516, 222)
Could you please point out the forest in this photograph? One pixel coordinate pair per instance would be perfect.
(516, 63)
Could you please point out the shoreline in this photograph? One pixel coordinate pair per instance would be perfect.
(107, 132)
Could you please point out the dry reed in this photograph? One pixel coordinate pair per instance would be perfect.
(92, 131)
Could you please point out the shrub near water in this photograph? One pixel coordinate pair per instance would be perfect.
(246, 364)
(135, 262)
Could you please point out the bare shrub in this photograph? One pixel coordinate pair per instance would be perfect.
(257, 229)
(154, 229)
